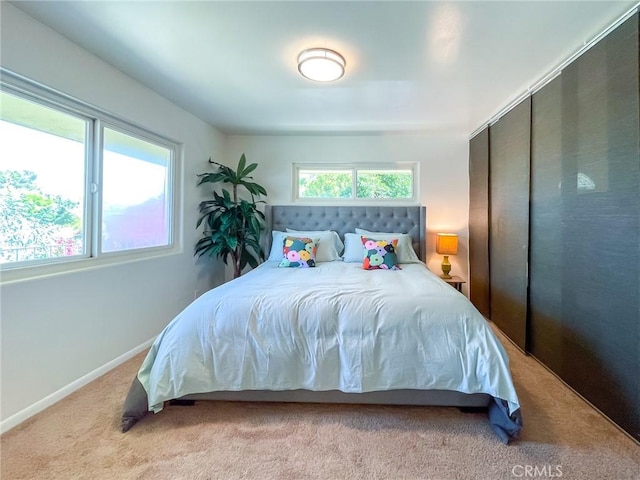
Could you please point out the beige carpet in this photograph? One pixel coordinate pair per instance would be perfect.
(79, 438)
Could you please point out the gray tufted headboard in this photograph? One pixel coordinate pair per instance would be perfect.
(344, 219)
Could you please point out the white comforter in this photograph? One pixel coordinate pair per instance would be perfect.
(333, 327)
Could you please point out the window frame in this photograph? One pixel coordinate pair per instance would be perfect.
(97, 119)
(354, 168)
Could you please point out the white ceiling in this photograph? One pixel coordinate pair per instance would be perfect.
(411, 66)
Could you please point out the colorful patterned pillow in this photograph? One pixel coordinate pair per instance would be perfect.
(380, 254)
(299, 252)
(404, 250)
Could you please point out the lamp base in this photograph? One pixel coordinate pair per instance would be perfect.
(446, 267)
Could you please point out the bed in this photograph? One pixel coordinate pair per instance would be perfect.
(336, 332)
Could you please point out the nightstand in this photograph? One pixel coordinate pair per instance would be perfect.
(455, 281)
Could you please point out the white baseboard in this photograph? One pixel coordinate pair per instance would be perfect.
(49, 400)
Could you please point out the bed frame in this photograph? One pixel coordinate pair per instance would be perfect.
(343, 219)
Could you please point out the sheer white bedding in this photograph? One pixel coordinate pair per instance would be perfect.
(332, 327)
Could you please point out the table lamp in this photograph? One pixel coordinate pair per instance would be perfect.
(446, 244)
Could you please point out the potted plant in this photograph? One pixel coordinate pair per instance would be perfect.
(232, 225)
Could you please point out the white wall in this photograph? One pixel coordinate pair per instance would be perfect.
(58, 329)
(444, 175)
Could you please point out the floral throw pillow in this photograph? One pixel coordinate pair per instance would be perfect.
(299, 252)
(380, 254)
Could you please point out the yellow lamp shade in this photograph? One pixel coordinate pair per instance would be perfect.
(447, 243)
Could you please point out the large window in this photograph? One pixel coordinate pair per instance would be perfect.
(394, 182)
(76, 183)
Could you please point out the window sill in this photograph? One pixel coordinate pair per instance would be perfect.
(17, 274)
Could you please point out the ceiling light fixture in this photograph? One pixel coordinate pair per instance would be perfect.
(321, 64)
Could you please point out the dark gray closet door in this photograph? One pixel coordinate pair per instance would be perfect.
(479, 222)
(585, 226)
(509, 147)
(546, 246)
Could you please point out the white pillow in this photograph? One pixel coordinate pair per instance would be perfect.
(353, 249)
(277, 245)
(330, 246)
(405, 251)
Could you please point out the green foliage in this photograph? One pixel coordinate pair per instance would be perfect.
(34, 223)
(384, 185)
(370, 184)
(232, 225)
(326, 185)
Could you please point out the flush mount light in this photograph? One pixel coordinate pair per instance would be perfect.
(321, 64)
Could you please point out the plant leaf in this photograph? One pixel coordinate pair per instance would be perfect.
(249, 169)
(241, 163)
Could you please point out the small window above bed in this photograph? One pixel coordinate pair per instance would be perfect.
(364, 183)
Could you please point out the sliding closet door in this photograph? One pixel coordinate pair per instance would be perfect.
(585, 226)
(479, 222)
(509, 147)
(546, 235)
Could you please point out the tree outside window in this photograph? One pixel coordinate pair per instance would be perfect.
(355, 183)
